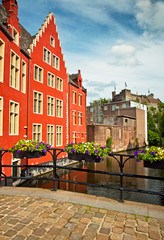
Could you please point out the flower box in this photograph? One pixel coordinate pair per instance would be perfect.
(156, 164)
(81, 156)
(27, 154)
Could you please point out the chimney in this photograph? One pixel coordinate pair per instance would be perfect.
(12, 11)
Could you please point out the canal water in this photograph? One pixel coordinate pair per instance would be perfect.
(110, 165)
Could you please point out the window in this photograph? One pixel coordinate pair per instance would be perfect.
(59, 84)
(91, 109)
(113, 107)
(74, 117)
(38, 73)
(74, 137)
(14, 118)
(55, 63)
(124, 105)
(23, 80)
(2, 54)
(1, 116)
(15, 36)
(59, 108)
(80, 100)
(47, 56)
(50, 106)
(80, 118)
(74, 97)
(51, 80)
(82, 135)
(105, 108)
(59, 135)
(126, 120)
(52, 41)
(37, 132)
(50, 135)
(14, 71)
(38, 102)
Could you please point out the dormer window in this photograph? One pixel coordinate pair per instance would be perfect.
(15, 36)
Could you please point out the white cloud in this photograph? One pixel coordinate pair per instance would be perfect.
(123, 55)
(150, 17)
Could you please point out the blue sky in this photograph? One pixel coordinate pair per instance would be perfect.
(110, 41)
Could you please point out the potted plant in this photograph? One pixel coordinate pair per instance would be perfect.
(153, 157)
(90, 152)
(29, 149)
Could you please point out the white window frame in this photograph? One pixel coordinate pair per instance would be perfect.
(53, 39)
(52, 76)
(38, 73)
(61, 127)
(14, 81)
(36, 139)
(74, 136)
(80, 99)
(46, 55)
(74, 117)
(2, 56)
(37, 103)
(74, 96)
(1, 116)
(15, 36)
(51, 133)
(50, 104)
(60, 108)
(80, 118)
(23, 77)
(16, 124)
(54, 62)
(59, 84)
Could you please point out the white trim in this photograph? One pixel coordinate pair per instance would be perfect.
(38, 73)
(62, 135)
(3, 57)
(42, 102)
(48, 51)
(19, 71)
(48, 96)
(10, 134)
(51, 125)
(38, 124)
(53, 45)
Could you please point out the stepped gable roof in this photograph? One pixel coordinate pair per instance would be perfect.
(25, 38)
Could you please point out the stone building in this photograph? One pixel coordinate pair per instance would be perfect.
(126, 95)
(123, 120)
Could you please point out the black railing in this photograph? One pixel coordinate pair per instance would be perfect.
(54, 152)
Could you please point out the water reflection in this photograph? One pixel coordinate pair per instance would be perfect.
(111, 165)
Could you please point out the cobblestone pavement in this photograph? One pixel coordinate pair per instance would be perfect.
(35, 218)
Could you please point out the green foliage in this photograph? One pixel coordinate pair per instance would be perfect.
(151, 154)
(156, 125)
(30, 146)
(88, 148)
(109, 142)
(99, 101)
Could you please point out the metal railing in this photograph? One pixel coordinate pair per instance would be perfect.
(121, 159)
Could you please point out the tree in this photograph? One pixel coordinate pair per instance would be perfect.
(155, 118)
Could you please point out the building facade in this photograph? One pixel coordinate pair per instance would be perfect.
(124, 121)
(36, 95)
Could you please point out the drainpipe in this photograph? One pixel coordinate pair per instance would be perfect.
(69, 104)
(28, 98)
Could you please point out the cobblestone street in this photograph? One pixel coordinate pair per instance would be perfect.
(35, 218)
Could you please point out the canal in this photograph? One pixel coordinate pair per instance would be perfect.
(110, 165)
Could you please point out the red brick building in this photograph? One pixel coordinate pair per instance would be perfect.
(36, 95)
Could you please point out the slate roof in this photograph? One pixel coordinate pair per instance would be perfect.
(25, 38)
(72, 78)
